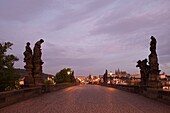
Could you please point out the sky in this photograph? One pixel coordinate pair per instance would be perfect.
(88, 36)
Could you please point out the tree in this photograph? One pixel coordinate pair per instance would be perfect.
(72, 78)
(65, 75)
(8, 75)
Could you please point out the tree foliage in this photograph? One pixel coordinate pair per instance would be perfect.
(48, 82)
(65, 75)
(8, 76)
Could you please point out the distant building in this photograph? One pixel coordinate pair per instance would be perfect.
(118, 78)
(121, 73)
(101, 78)
(135, 75)
(164, 79)
(163, 76)
(81, 79)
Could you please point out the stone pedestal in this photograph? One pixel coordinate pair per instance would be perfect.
(29, 81)
(38, 80)
(153, 84)
(154, 79)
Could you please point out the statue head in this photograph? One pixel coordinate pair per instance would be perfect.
(28, 44)
(153, 39)
(138, 63)
(41, 40)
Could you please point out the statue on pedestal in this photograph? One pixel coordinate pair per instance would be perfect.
(33, 64)
(150, 73)
(37, 62)
(154, 66)
(29, 67)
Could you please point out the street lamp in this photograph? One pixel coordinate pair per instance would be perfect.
(110, 73)
(68, 72)
(111, 78)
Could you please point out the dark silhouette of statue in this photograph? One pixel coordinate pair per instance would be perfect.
(144, 71)
(28, 56)
(150, 73)
(37, 62)
(33, 64)
(153, 45)
(153, 63)
(153, 60)
(105, 76)
(29, 66)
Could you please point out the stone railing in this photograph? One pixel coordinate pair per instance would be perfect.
(50, 88)
(11, 97)
(156, 94)
(128, 88)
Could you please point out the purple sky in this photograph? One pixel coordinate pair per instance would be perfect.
(88, 36)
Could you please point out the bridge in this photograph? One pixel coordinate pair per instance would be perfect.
(88, 99)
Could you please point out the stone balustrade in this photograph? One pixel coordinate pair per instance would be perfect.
(153, 93)
(11, 97)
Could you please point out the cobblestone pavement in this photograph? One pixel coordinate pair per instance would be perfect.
(88, 99)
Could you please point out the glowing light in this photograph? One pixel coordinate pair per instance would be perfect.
(21, 82)
(110, 73)
(68, 72)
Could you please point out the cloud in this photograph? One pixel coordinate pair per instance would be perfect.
(131, 21)
(22, 11)
(73, 15)
(76, 64)
(88, 36)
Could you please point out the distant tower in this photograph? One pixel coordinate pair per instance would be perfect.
(118, 70)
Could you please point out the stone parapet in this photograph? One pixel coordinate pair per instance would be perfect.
(11, 97)
(153, 93)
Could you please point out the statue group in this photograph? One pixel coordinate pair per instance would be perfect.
(144, 71)
(150, 73)
(33, 64)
